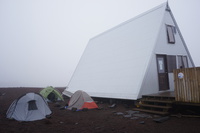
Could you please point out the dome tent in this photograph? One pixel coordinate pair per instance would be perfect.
(28, 107)
(81, 100)
(51, 94)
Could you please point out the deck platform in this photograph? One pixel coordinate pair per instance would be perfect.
(162, 103)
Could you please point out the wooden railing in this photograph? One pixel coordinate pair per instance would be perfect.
(187, 84)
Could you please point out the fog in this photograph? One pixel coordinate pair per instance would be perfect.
(41, 41)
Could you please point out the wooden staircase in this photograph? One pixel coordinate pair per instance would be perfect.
(156, 104)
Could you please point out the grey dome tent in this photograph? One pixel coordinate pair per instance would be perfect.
(28, 107)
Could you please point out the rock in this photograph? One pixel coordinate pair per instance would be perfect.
(141, 122)
(130, 112)
(62, 108)
(127, 116)
(161, 119)
(142, 115)
(113, 106)
(134, 118)
(119, 113)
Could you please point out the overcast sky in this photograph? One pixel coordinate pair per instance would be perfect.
(41, 41)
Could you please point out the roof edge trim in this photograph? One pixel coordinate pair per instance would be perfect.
(132, 19)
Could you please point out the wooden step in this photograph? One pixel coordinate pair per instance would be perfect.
(151, 111)
(159, 98)
(155, 106)
(157, 101)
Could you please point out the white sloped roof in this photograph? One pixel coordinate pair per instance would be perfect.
(114, 63)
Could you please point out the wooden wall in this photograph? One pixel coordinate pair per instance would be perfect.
(187, 84)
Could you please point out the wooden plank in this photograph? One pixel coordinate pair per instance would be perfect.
(155, 106)
(190, 84)
(193, 86)
(187, 89)
(175, 85)
(158, 101)
(198, 83)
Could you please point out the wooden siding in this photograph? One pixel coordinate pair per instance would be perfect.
(187, 85)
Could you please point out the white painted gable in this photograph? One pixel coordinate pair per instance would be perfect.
(162, 47)
(115, 62)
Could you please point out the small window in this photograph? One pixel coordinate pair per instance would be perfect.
(182, 62)
(171, 62)
(170, 34)
(32, 105)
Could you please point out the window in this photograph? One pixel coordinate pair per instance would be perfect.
(170, 34)
(171, 62)
(182, 62)
(161, 65)
(32, 105)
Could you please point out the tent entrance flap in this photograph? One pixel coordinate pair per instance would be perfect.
(32, 105)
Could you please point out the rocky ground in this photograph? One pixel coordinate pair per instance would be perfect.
(119, 119)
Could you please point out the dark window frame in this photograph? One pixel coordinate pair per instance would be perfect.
(171, 34)
(182, 61)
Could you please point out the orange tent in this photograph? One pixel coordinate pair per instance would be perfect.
(81, 100)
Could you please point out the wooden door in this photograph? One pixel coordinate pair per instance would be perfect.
(162, 72)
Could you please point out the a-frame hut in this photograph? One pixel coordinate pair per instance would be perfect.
(134, 58)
